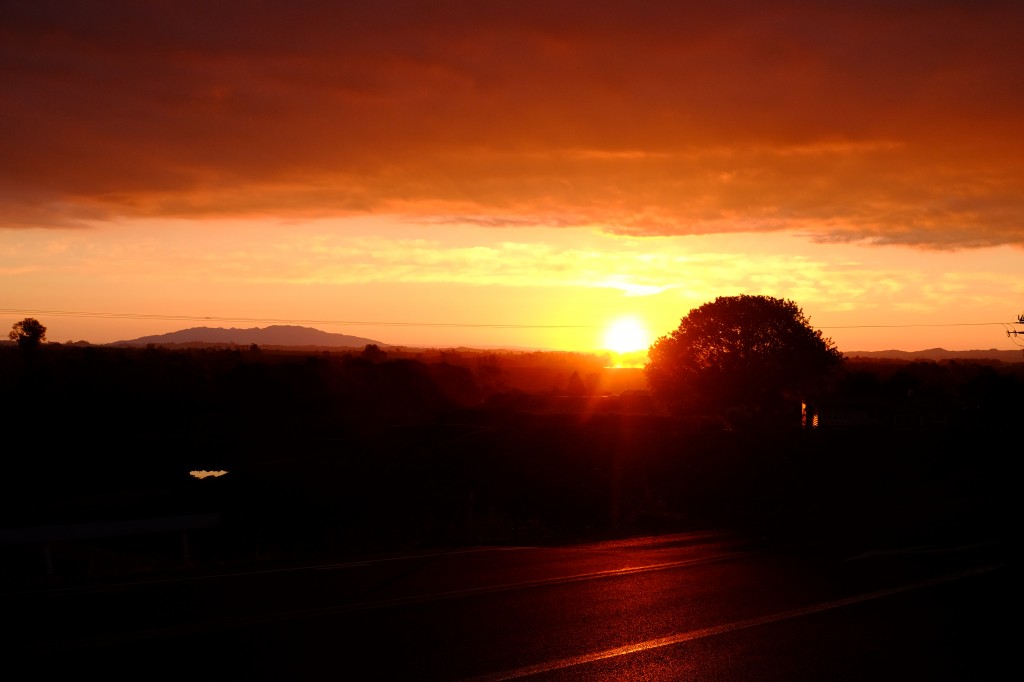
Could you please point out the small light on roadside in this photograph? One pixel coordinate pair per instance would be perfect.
(206, 474)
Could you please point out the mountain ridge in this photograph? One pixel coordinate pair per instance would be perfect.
(274, 335)
(938, 354)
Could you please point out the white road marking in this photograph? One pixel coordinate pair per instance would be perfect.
(681, 637)
(541, 582)
(218, 625)
(128, 584)
(425, 555)
(651, 541)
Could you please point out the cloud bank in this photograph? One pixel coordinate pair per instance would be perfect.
(885, 122)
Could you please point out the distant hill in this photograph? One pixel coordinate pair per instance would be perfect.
(938, 354)
(275, 335)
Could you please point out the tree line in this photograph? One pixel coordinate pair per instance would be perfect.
(360, 449)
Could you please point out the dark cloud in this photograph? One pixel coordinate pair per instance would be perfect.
(891, 122)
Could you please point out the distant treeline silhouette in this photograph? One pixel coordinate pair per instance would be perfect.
(338, 453)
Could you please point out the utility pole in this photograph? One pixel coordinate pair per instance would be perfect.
(1015, 334)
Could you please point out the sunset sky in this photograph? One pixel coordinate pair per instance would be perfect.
(512, 173)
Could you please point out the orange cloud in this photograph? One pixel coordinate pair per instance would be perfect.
(885, 122)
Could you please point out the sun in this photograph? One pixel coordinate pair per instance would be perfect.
(625, 335)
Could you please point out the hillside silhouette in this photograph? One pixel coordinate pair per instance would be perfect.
(274, 335)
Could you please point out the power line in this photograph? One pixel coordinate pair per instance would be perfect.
(205, 318)
(902, 326)
(380, 323)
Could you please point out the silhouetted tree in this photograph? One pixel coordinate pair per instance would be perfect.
(28, 333)
(575, 385)
(489, 373)
(373, 353)
(744, 357)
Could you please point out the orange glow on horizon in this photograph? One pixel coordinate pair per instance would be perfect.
(296, 181)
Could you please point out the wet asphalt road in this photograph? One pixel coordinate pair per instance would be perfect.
(703, 606)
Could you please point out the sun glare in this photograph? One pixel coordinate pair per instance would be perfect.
(626, 335)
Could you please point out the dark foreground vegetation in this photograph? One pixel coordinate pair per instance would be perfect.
(336, 454)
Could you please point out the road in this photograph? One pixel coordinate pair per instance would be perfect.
(704, 605)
